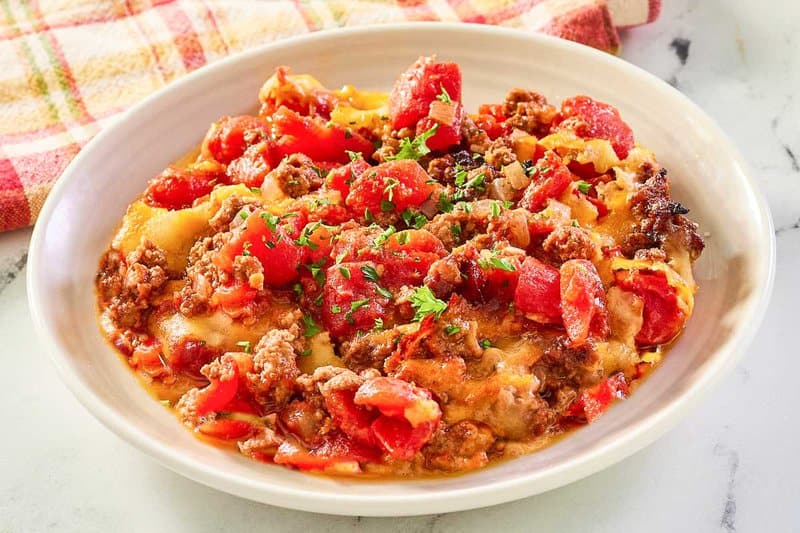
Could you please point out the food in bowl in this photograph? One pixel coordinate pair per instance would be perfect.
(379, 284)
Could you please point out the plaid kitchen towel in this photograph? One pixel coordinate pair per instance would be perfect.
(68, 67)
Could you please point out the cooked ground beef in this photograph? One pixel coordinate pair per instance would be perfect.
(475, 139)
(500, 153)
(272, 381)
(569, 242)
(296, 175)
(464, 445)
(128, 285)
(528, 111)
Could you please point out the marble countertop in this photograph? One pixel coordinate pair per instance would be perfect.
(731, 465)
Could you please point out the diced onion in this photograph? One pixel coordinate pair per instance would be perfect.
(516, 175)
(501, 189)
(443, 112)
(428, 208)
(518, 228)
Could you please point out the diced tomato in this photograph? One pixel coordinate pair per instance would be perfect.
(314, 137)
(233, 296)
(392, 396)
(349, 417)
(189, 355)
(147, 358)
(591, 119)
(277, 250)
(551, 180)
(341, 178)
(583, 301)
(592, 403)
(447, 134)
(252, 166)
(406, 255)
(390, 187)
(493, 127)
(408, 415)
(219, 393)
(229, 137)
(351, 302)
(494, 110)
(662, 316)
(538, 293)
(398, 438)
(297, 97)
(418, 86)
(488, 278)
(226, 429)
(177, 188)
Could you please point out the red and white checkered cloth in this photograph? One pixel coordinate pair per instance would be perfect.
(68, 67)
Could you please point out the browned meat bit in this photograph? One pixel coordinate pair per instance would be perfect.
(475, 139)
(528, 111)
(262, 445)
(458, 226)
(659, 218)
(296, 175)
(562, 364)
(221, 221)
(443, 169)
(272, 381)
(500, 153)
(651, 254)
(512, 411)
(569, 242)
(305, 419)
(202, 275)
(249, 270)
(444, 276)
(187, 408)
(128, 285)
(390, 143)
(456, 333)
(369, 350)
(462, 446)
(513, 226)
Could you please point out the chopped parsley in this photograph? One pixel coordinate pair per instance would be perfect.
(244, 214)
(354, 156)
(298, 290)
(370, 274)
(270, 220)
(478, 183)
(455, 229)
(381, 239)
(486, 343)
(345, 272)
(340, 257)
(584, 186)
(445, 204)
(255, 190)
(444, 96)
(384, 292)
(336, 309)
(495, 210)
(244, 345)
(498, 263)
(355, 305)
(387, 205)
(368, 216)
(305, 236)
(402, 237)
(391, 183)
(246, 248)
(413, 219)
(378, 324)
(311, 327)
(452, 329)
(416, 148)
(316, 271)
(425, 303)
(306, 352)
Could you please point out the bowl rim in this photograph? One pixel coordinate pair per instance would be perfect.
(635, 437)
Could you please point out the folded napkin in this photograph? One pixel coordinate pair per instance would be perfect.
(69, 67)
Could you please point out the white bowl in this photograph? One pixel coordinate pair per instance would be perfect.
(735, 272)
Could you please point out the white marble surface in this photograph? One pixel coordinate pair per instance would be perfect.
(732, 465)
